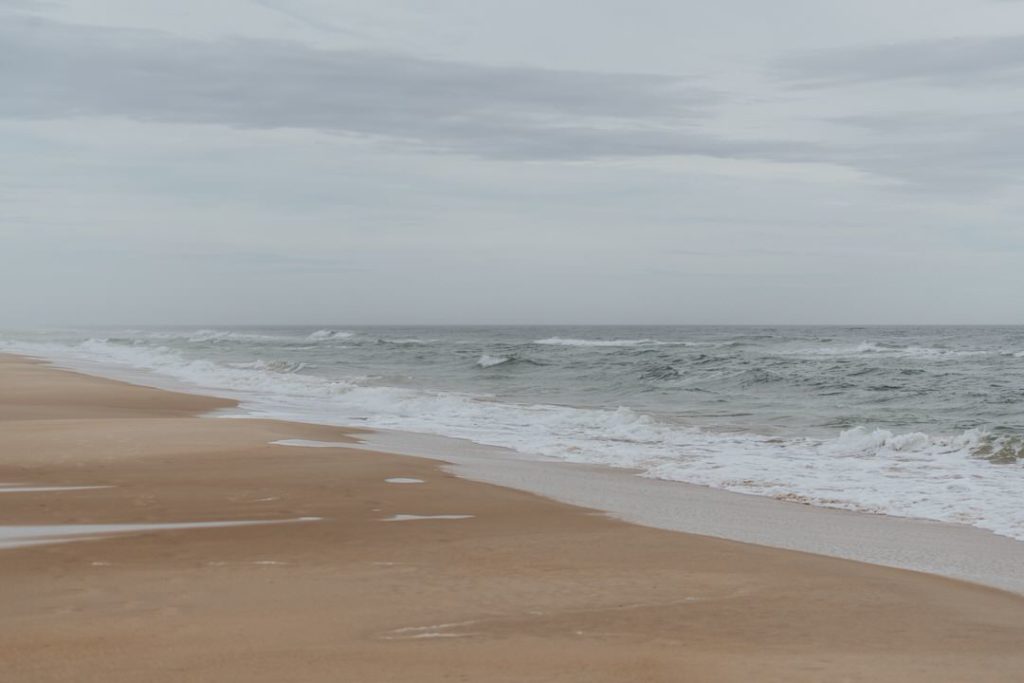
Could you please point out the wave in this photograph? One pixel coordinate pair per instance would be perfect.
(660, 372)
(321, 335)
(283, 366)
(874, 348)
(409, 340)
(487, 361)
(560, 341)
(201, 336)
(196, 336)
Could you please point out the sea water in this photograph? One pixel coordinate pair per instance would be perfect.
(912, 421)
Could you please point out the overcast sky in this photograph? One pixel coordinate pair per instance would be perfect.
(485, 161)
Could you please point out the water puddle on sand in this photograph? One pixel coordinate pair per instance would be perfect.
(403, 480)
(39, 534)
(410, 518)
(29, 488)
(306, 443)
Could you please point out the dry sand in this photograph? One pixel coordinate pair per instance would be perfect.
(513, 587)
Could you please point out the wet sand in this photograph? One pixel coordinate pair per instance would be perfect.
(446, 579)
(952, 550)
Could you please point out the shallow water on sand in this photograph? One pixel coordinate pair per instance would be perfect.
(17, 536)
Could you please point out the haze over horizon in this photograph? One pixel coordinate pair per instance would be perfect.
(288, 161)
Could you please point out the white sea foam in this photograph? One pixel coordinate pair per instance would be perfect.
(403, 480)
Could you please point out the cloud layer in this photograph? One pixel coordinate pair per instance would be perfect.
(950, 62)
(297, 160)
(55, 70)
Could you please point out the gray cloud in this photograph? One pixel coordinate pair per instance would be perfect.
(940, 151)
(302, 19)
(926, 143)
(54, 70)
(25, 5)
(948, 62)
(110, 211)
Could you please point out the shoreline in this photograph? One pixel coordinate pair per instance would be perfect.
(956, 551)
(407, 572)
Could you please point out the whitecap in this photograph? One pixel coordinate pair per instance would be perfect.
(561, 341)
(321, 335)
(488, 361)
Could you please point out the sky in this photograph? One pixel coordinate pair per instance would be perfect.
(485, 162)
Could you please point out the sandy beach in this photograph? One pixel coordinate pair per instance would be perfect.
(426, 577)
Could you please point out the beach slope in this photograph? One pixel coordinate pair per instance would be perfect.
(425, 577)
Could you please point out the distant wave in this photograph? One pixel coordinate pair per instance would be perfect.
(321, 335)
(199, 336)
(406, 340)
(218, 336)
(283, 366)
(873, 348)
(488, 361)
(560, 341)
(660, 372)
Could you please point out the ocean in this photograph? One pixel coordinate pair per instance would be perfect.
(921, 422)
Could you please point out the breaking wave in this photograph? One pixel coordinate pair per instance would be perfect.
(487, 361)
(559, 341)
(321, 335)
(873, 348)
(283, 366)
